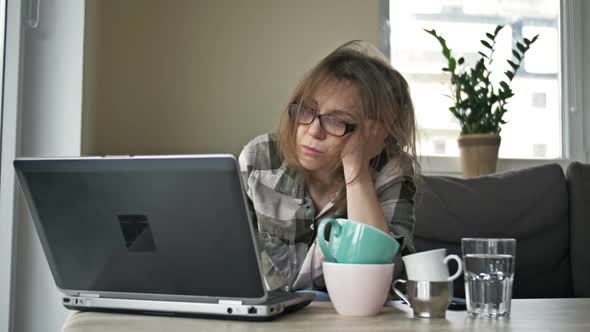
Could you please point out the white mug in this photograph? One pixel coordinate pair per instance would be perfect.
(431, 265)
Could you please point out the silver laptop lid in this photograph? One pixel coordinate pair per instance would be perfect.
(167, 227)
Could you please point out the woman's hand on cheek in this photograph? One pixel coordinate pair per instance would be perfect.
(362, 149)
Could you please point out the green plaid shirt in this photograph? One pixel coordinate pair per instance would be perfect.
(286, 219)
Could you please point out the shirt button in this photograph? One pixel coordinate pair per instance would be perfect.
(312, 227)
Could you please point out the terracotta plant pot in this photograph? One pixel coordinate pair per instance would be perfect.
(479, 154)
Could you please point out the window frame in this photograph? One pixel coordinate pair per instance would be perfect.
(9, 206)
(574, 123)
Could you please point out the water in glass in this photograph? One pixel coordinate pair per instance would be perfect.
(488, 284)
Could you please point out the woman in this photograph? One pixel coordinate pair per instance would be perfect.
(345, 148)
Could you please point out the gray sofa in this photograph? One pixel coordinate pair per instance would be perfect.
(546, 211)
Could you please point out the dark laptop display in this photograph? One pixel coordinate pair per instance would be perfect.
(169, 226)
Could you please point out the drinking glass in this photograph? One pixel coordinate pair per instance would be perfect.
(488, 265)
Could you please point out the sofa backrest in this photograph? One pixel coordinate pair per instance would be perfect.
(530, 205)
(578, 179)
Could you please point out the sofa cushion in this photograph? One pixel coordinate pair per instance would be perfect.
(529, 205)
(578, 178)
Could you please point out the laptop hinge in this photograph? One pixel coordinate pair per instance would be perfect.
(88, 295)
(230, 302)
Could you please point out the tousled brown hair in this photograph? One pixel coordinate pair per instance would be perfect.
(384, 96)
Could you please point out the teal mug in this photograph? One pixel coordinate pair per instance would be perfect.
(353, 242)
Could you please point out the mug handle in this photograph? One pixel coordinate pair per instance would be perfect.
(324, 245)
(399, 293)
(459, 266)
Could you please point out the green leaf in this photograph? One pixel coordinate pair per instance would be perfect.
(526, 41)
(483, 55)
(486, 44)
(461, 60)
(516, 55)
(455, 112)
(505, 85)
(446, 69)
(509, 74)
(520, 47)
(490, 36)
(498, 28)
(534, 39)
(513, 65)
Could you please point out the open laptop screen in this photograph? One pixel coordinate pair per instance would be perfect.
(162, 225)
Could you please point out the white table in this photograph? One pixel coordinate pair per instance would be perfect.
(527, 315)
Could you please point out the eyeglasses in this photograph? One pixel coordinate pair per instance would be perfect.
(333, 125)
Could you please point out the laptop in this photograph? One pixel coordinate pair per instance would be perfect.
(151, 234)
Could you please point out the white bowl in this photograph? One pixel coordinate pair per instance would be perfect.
(358, 289)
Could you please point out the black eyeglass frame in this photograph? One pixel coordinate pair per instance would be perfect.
(294, 109)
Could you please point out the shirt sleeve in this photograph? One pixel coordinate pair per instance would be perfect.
(395, 192)
(275, 254)
(246, 161)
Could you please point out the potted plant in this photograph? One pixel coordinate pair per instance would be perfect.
(478, 104)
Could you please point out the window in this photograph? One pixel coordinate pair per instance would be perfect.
(534, 128)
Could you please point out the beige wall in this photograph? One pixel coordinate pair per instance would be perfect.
(181, 76)
(90, 89)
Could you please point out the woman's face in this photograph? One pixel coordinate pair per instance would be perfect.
(317, 148)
